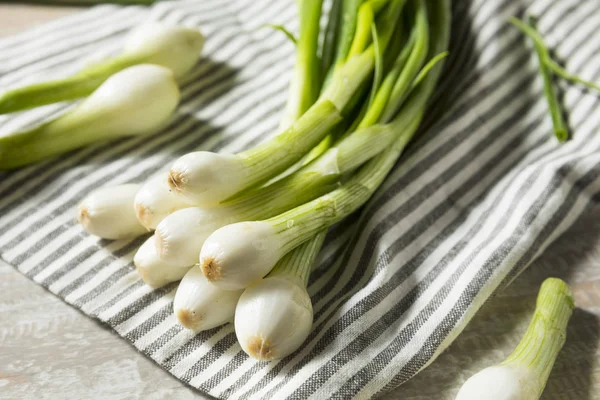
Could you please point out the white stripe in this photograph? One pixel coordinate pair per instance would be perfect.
(122, 285)
(52, 31)
(125, 302)
(190, 359)
(178, 341)
(153, 334)
(102, 275)
(145, 313)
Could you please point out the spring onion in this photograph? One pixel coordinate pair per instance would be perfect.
(153, 271)
(135, 101)
(173, 47)
(523, 375)
(108, 213)
(274, 316)
(155, 200)
(206, 178)
(200, 306)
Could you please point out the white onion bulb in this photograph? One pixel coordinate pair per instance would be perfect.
(155, 200)
(199, 305)
(153, 270)
(237, 255)
(180, 236)
(107, 212)
(206, 178)
(273, 318)
(173, 47)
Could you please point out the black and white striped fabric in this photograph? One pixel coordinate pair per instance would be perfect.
(482, 192)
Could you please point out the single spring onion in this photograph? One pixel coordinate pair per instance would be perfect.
(153, 271)
(274, 316)
(200, 306)
(238, 255)
(523, 375)
(135, 101)
(156, 200)
(173, 47)
(108, 213)
(209, 178)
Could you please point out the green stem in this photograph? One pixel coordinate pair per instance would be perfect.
(560, 127)
(347, 27)
(413, 65)
(384, 92)
(560, 71)
(298, 262)
(274, 156)
(305, 83)
(546, 333)
(79, 85)
(65, 133)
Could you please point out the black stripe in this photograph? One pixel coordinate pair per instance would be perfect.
(190, 346)
(150, 323)
(100, 308)
(162, 340)
(132, 309)
(235, 362)
(216, 351)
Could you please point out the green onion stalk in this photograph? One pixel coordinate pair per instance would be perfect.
(523, 375)
(173, 47)
(305, 82)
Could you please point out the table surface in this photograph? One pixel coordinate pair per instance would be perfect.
(51, 350)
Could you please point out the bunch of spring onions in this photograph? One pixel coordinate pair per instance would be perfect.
(243, 230)
(523, 375)
(134, 93)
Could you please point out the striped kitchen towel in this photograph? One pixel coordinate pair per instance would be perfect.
(483, 191)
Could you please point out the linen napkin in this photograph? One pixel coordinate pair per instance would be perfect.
(484, 189)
